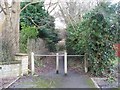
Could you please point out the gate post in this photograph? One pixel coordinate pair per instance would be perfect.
(65, 62)
(32, 63)
(57, 63)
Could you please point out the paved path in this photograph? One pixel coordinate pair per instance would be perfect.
(72, 80)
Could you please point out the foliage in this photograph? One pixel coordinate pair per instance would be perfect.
(27, 32)
(36, 15)
(95, 36)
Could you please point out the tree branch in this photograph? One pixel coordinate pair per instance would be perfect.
(27, 6)
(65, 17)
(62, 12)
(49, 5)
(33, 22)
(2, 9)
(34, 3)
(54, 7)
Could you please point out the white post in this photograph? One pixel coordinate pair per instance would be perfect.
(65, 63)
(32, 63)
(57, 63)
(85, 64)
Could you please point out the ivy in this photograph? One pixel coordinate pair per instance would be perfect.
(93, 35)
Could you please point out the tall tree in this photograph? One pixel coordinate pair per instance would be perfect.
(10, 30)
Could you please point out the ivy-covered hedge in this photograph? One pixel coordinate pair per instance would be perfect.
(95, 37)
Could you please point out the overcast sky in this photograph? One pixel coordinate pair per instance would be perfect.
(58, 22)
(115, 1)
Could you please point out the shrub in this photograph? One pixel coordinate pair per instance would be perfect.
(36, 15)
(27, 32)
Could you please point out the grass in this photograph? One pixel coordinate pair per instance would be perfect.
(45, 83)
(90, 83)
(38, 82)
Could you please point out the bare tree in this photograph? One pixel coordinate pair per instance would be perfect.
(10, 28)
(73, 10)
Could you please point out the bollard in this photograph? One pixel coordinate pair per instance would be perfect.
(57, 63)
(32, 63)
(85, 63)
(65, 63)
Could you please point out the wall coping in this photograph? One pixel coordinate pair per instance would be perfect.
(21, 54)
(11, 62)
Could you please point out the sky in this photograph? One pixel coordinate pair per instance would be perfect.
(114, 1)
(58, 22)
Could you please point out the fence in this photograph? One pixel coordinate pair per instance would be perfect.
(33, 55)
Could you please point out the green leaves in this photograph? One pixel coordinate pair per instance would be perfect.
(27, 32)
(36, 15)
(94, 36)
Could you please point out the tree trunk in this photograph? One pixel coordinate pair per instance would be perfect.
(10, 32)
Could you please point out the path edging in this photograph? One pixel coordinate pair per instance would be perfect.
(12, 82)
(96, 85)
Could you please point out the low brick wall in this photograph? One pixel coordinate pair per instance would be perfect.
(15, 69)
(11, 70)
